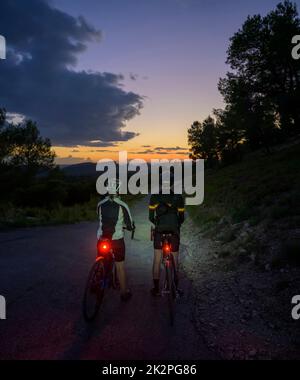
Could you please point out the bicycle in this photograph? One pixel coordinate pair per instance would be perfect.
(170, 275)
(102, 276)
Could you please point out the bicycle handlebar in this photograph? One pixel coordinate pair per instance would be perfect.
(132, 230)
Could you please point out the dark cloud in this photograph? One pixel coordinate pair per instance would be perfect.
(103, 144)
(162, 150)
(133, 76)
(102, 151)
(38, 78)
(169, 149)
(149, 151)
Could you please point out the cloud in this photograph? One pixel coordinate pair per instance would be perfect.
(38, 79)
(133, 77)
(162, 150)
(169, 149)
(102, 151)
(183, 153)
(149, 151)
(103, 144)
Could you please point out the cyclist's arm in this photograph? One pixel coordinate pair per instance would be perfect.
(128, 221)
(99, 230)
(99, 213)
(152, 208)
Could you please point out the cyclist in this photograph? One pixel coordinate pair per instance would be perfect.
(113, 215)
(166, 212)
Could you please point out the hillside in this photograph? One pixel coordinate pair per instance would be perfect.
(244, 257)
(253, 207)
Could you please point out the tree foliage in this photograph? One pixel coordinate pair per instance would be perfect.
(202, 137)
(262, 90)
(21, 146)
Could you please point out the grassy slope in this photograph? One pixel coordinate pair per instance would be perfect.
(258, 188)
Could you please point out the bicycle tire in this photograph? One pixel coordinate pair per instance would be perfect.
(94, 291)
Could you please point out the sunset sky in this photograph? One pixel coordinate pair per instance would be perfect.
(161, 57)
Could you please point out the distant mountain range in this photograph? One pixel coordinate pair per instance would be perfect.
(85, 169)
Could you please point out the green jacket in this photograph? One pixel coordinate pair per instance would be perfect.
(166, 211)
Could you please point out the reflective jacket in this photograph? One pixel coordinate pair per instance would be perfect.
(166, 211)
(114, 214)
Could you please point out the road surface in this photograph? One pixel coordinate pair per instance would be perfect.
(42, 276)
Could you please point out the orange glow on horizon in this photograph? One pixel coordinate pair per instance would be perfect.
(69, 156)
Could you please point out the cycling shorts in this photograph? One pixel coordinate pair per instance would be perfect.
(118, 247)
(174, 240)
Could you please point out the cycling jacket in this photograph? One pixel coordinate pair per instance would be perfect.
(166, 211)
(113, 215)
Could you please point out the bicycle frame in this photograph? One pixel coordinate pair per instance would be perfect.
(167, 249)
(108, 259)
(102, 276)
(170, 274)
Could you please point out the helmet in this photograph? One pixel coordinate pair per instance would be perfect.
(113, 186)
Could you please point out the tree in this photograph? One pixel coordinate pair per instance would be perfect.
(230, 135)
(4, 145)
(25, 148)
(263, 89)
(203, 141)
(2, 117)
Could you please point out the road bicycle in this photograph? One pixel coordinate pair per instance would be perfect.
(102, 276)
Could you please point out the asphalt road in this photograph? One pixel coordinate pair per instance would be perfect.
(42, 276)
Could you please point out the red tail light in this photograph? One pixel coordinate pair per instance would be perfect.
(103, 247)
(166, 248)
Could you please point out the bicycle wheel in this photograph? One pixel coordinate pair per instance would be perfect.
(170, 291)
(94, 291)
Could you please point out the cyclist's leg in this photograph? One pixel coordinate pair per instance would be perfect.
(175, 242)
(156, 262)
(118, 247)
(121, 276)
(175, 256)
